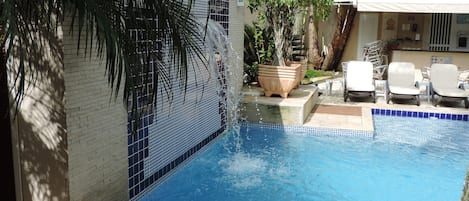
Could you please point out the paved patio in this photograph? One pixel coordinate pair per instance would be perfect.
(340, 117)
(330, 110)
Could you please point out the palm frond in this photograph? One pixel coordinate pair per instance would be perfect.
(105, 26)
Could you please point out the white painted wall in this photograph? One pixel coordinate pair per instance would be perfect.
(367, 31)
(456, 30)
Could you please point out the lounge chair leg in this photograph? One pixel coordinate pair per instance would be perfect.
(374, 97)
(417, 98)
(345, 96)
(466, 103)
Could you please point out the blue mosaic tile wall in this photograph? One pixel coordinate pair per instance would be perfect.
(138, 142)
(415, 114)
(167, 135)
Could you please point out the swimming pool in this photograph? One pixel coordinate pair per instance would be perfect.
(408, 159)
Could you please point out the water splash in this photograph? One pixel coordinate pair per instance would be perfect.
(243, 170)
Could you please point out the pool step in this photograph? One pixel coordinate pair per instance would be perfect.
(341, 117)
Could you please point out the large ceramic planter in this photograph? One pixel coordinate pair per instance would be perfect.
(279, 79)
(304, 67)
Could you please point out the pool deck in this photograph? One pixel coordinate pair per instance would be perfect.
(330, 110)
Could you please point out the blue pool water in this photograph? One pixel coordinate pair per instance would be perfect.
(409, 159)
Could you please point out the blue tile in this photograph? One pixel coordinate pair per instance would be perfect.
(131, 193)
(136, 169)
(415, 114)
(382, 112)
(137, 190)
(130, 150)
(437, 115)
(131, 182)
(146, 182)
(136, 179)
(145, 121)
(465, 117)
(152, 179)
(131, 171)
(404, 113)
(131, 161)
(454, 117)
(393, 113)
(425, 115)
(432, 114)
(129, 139)
(399, 113)
(459, 116)
(420, 114)
(142, 176)
(388, 112)
(448, 116)
(140, 134)
(141, 186)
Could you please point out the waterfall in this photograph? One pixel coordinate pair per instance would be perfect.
(225, 65)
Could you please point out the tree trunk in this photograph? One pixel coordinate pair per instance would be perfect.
(279, 42)
(280, 19)
(314, 56)
(345, 17)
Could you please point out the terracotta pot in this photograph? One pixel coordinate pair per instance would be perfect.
(279, 79)
(304, 67)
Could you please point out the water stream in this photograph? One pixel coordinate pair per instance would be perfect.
(225, 64)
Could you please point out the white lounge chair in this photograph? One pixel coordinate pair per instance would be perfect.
(444, 81)
(401, 81)
(359, 79)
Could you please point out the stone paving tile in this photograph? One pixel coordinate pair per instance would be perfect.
(365, 120)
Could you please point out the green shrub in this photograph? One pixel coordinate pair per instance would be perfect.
(258, 49)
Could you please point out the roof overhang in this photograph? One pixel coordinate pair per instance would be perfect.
(409, 6)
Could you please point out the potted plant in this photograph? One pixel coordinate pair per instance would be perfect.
(278, 78)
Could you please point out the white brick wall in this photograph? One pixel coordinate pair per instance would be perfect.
(97, 139)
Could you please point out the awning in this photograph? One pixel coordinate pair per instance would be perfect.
(409, 6)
